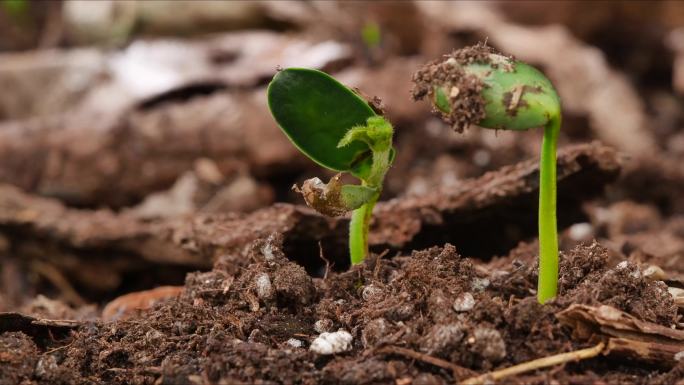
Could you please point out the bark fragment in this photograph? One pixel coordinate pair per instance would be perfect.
(627, 336)
(106, 245)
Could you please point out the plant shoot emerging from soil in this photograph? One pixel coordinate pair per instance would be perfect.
(339, 130)
(477, 85)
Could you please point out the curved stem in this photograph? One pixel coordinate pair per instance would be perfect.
(358, 231)
(548, 234)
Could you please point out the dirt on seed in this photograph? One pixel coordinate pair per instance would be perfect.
(463, 90)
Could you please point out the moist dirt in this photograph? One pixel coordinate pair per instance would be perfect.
(255, 323)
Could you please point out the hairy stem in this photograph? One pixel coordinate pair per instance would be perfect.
(360, 220)
(548, 234)
(358, 230)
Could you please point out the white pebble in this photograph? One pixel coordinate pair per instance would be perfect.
(679, 356)
(267, 251)
(332, 343)
(295, 343)
(371, 292)
(464, 302)
(263, 286)
(581, 231)
(479, 284)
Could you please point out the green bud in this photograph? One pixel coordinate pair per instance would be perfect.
(476, 85)
(377, 134)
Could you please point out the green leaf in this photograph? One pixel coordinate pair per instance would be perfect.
(315, 111)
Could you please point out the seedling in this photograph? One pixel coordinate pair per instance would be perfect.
(476, 85)
(371, 35)
(336, 128)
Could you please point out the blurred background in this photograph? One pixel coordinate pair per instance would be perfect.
(155, 110)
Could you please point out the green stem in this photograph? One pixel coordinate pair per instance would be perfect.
(358, 231)
(360, 220)
(548, 234)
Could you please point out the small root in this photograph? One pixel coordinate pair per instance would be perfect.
(328, 265)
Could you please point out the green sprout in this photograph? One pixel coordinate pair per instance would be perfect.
(339, 130)
(371, 35)
(15, 8)
(476, 85)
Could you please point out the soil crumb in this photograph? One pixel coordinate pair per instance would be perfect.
(18, 357)
(462, 90)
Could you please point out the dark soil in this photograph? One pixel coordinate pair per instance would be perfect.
(255, 323)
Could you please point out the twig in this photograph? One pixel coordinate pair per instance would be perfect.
(458, 371)
(536, 364)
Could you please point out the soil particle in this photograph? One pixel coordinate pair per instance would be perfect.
(374, 332)
(442, 339)
(18, 357)
(332, 343)
(519, 281)
(488, 309)
(263, 287)
(438, 305)
(463, 90)
(293, 286)
(371, 293)
(488, 343)
(575, 266)
(295, 343)
(478, 53)
(323, 325)
(464, 302)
